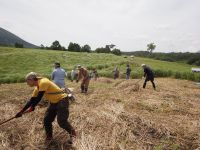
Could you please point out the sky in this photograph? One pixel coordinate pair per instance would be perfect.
(173, 25)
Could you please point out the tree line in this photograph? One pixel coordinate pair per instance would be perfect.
(75, 47)
(187, 57)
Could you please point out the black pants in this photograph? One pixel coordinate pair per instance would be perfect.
(152, 81)
(61, 109)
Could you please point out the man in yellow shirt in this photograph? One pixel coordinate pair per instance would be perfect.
(59, 104)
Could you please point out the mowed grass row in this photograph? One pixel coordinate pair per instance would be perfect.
(16, 63)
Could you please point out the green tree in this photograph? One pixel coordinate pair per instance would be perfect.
(151, 47)
(86, 48)
(56, 45)
(116, 52)
(102, 50)
(42, 46)
(74, 47)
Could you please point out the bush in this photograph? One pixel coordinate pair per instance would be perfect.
(177, 75)
(99, 67)
(191, 76)
(197, 63)
(105, 74)
(184, 75)
(197, 77)
(19, 45)
(90, 67)
(136, 75)
(162, 73)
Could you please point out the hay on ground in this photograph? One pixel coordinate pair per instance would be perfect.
(104, 80)
(128, 86)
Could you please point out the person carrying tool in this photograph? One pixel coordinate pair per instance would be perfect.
(84, 75)
(59, 104)
(148, 75)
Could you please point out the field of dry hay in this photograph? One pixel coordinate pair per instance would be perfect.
(114, 115)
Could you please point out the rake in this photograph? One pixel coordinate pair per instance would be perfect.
(11, 118)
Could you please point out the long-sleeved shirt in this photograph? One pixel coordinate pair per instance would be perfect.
(148, 73)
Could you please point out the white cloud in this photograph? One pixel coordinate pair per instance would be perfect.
(130, 24)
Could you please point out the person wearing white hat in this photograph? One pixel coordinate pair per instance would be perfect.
(59, 104)
(149, 76)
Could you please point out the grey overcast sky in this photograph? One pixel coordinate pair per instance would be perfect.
(173, 25)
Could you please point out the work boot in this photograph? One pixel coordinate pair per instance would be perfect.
(86, 89)
(72, 137)
(82, 89)
(73, 133)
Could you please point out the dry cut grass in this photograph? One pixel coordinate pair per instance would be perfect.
(114, 115)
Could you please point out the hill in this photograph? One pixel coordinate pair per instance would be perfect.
(166, 119)
(9, 39)
(15, 63)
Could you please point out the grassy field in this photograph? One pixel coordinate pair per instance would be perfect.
(121, 119)
(16, 63)
(114, 115)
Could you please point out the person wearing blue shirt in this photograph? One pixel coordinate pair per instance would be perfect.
(58, 75)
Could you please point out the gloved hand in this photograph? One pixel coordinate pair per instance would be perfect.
(19, 114)
(143, 77)
(31, 109)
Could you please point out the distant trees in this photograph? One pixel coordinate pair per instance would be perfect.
(74, 47)
(19, 45)
(151, 47)
(189, 58)
(194, 60)
(116, 52)
(102, 50)
(108, 49)
(56, 45)
(86, 48)
(42, 46)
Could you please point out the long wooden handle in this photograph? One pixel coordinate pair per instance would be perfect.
(12, 118)
(7, 120)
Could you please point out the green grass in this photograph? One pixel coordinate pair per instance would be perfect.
(15, 63)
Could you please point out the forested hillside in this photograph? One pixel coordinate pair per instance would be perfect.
(189, 58)
(9, 39)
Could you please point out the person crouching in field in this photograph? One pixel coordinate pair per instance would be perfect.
(84, 75)
(59, 104)
(149, 76)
